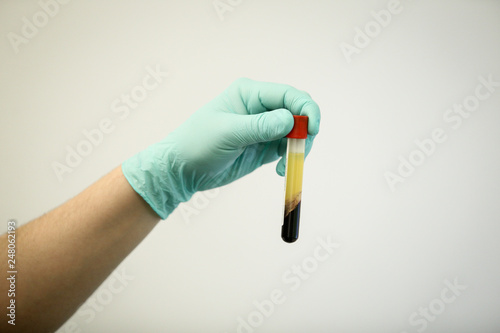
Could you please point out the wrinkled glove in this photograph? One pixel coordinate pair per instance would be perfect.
(234, 134)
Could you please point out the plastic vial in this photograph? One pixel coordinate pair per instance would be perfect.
(296, 145)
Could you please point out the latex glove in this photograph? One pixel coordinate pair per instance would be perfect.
(240, 130)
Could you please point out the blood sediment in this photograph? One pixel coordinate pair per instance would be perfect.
(293, 196)
(291, 222)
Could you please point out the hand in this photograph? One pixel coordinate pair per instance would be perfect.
(234, 134)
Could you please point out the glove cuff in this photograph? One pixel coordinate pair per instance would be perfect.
(156, 178)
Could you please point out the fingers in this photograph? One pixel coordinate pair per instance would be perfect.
(263, 127)
(280, 167)
(259, 97)
(265, 115)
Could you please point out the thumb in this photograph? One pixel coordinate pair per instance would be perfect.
(262, 127)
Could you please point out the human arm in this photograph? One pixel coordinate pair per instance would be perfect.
(65, 255)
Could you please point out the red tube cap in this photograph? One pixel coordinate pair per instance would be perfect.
(299, 130)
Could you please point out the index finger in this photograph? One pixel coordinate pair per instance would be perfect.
(266, 96)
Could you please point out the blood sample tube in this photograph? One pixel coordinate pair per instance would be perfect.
(296, 145)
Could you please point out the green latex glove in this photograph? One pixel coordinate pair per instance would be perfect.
(234, 134)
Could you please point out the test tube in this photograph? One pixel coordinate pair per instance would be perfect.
(295, 150)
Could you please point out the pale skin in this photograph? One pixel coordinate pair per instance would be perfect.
(88, 236)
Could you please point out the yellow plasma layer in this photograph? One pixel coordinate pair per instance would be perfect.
(293, 191)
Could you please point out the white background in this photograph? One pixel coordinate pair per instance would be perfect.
(202, 272)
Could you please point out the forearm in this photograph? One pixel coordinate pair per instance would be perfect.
(63, 256)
